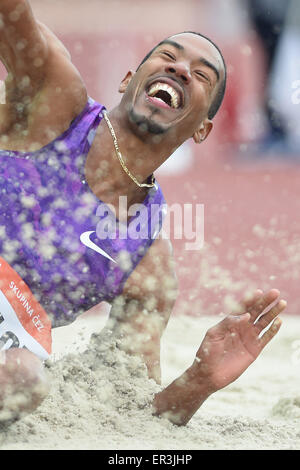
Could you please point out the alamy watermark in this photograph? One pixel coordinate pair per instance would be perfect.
(140, 221)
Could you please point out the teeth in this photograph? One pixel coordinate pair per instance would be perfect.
(163, 86)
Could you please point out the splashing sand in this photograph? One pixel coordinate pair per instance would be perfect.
(101, 398)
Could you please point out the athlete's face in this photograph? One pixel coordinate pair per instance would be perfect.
(173, 90)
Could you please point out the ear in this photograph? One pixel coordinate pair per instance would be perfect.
(202, 132)
(124, 83)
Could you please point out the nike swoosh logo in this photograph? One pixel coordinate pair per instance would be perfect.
(85, 239)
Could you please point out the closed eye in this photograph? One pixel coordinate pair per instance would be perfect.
(168, 54)
(202, 75)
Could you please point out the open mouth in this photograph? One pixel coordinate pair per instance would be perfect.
(165, 93)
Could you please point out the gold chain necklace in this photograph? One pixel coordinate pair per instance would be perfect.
(141, 185)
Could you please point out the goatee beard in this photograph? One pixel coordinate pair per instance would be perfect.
(144, 124)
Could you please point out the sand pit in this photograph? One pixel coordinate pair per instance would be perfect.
(100, 398)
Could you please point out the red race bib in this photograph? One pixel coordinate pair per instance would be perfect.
(23, 321)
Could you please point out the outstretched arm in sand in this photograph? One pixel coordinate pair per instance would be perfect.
(226, 352)
(141, 314)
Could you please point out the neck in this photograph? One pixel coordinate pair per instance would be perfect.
(141, 155)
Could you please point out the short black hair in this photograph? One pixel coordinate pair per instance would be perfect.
(222, 86)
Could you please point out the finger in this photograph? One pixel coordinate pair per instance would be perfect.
(262, 303)
(249, 300)
(272, 331)
(268, 317)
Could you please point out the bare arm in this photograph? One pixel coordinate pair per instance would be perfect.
(44, 91)
(23, 47)
(226, 352)
(140, 315)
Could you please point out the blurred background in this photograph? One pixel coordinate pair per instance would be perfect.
(247, 174)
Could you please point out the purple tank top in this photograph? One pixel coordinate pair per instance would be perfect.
(50, 222)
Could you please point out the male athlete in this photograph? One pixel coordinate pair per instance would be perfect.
(64, 158)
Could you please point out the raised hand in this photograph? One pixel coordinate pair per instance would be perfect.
(233, 344)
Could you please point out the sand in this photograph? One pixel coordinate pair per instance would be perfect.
(101, 398)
